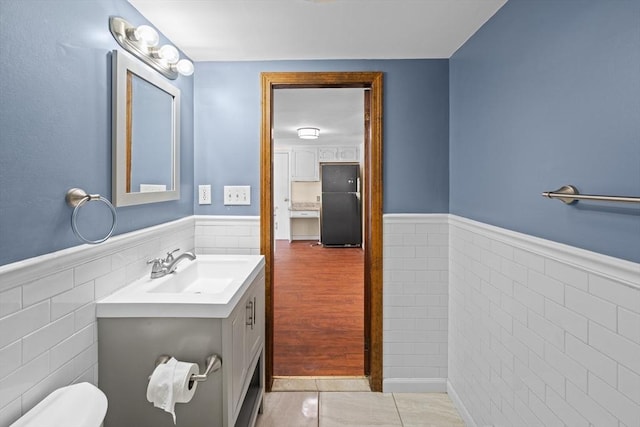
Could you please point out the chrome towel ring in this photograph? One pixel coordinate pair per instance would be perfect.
(76, 198)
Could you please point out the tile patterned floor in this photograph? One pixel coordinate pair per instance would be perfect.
(317, 408)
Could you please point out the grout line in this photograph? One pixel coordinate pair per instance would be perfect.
(318, 413)
(393, 395)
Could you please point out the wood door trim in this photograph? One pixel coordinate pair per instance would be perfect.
(372, 193)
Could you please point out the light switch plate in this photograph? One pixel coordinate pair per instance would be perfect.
(204, 194)
(237, 195)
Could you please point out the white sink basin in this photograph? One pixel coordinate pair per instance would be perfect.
(199, 286)
(210, 286)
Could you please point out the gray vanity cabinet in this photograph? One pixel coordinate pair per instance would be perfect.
(230, 397)
(246, 341)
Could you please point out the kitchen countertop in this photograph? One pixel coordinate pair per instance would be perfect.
(305, 206)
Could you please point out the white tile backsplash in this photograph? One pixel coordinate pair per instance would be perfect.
(415, 293)
(596, 309)
(617, 347)
(628, 384)
(22, 379)
(44, 338)
(590, 409)
(71, 300)
(71, 347)
(593, 360)
(526, 334)
(629, 324)
(10, 358)
(47, 287)
(617, 403)
(48, 325)
(227, 235)
(10, 301)
(575, 356)
(23, 322)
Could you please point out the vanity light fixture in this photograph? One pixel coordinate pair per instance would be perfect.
(142, 42)
(308, 133)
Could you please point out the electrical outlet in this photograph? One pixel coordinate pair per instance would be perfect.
(204, 194)
(237, 195)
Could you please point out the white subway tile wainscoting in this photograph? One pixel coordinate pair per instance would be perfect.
(519, 331)
(540, 333)
(227, 235)
(48, 327)
(415, 286)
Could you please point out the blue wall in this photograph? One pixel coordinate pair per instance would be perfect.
(55, 125)
(415, 130)
(547, 93)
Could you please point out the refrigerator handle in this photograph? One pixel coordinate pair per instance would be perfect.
(358, 185)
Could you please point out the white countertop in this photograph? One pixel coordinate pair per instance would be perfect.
(142, 298)
(304, 206)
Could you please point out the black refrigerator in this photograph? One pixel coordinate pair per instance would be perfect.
(340, 223)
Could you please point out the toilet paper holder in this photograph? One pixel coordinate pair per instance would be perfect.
(213, 364)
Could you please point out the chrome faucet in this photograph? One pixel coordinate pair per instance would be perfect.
(162, 267)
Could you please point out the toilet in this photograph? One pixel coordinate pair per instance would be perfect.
(77, 405)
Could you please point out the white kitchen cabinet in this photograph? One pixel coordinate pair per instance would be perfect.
(304, 164)
(338, 154)
(327, 154)
(348, 154)
(305, 225)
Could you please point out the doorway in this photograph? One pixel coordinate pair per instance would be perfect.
(372, 205)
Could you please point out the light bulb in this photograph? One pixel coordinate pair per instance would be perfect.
(169, 54)
(185, 67)
(147, 35)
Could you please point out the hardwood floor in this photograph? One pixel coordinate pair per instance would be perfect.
(318, 310)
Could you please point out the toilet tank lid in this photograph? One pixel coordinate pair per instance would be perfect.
(77, 405)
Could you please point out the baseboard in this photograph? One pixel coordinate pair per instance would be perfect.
(414, 385)
(462, 410)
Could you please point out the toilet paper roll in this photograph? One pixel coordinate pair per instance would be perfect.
(181, 379)
(169, 384)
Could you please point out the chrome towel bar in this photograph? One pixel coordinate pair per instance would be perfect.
(569, 194)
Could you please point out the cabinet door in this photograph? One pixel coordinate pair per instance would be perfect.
(327, 154)
(254, 327)
(348, 154)
(304, 164)
(238, 352)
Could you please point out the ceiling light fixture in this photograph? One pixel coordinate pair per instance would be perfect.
(142, 41)
(308, 133)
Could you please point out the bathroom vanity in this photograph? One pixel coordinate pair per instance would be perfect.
(213, 305)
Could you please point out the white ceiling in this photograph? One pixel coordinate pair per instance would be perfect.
(238, 30)
(338, 113)
(251, 30)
